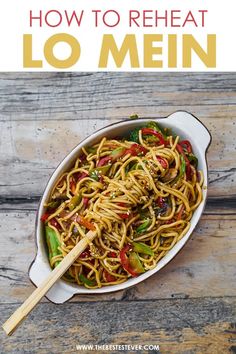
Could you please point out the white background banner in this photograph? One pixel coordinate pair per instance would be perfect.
(92, 19)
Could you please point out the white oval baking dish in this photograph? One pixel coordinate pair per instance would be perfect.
(183, 124)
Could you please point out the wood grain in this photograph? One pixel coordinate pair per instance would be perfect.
(114, 95)
(189, 306)
(172, 324)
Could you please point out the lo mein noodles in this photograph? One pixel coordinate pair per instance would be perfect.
(138, 192)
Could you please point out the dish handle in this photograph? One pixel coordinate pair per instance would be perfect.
(194, 126)
(38, 271)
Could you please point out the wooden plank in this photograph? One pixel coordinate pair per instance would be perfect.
(30, 150)
(117, 112)
(205, 267)
(220, 206)
(177, 326)
(105, 95)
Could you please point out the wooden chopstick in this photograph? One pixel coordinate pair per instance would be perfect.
(18, 316)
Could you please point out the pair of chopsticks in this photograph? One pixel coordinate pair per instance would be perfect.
(19, 315)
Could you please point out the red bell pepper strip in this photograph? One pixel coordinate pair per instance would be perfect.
(45, 216)
(82, 176)
(187, 145)
(125, 260)
(114, 155)
(136, 149)
(112, 254)
(79, 175)
(149, 131)
(180, 149)
(85, 201)
(104, 161)
(108, 277)
(54, 223)
(72, 185)
(162, 161)
(124, 216)
(85, 254)
(198, 176)
(121, 204)
(82, 221)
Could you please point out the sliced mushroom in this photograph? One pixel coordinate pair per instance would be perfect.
(170, 175)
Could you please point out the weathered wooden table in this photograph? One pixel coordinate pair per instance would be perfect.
(189, 306)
